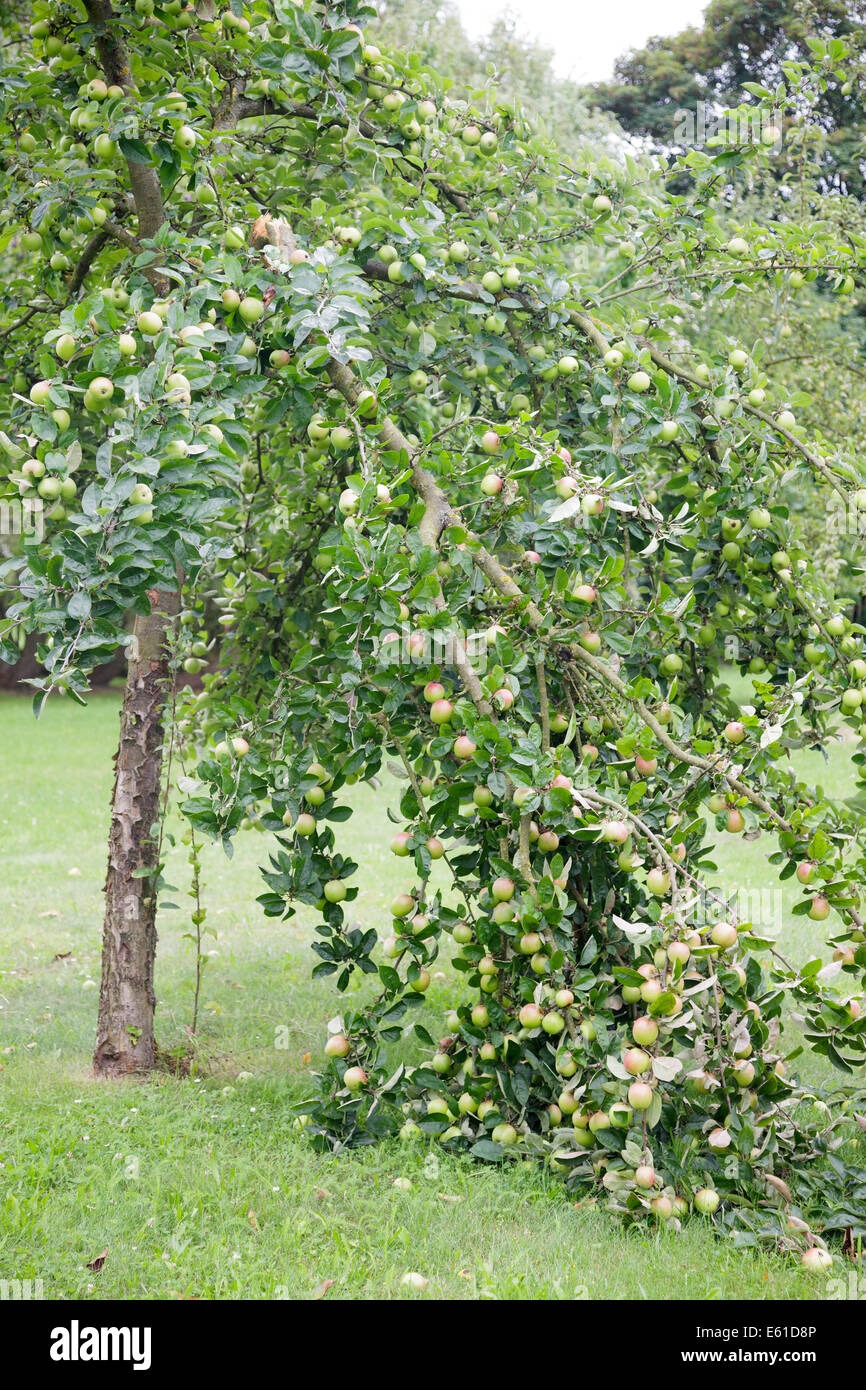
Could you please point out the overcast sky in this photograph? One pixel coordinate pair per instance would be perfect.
(585, 35)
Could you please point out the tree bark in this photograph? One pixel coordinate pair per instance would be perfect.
(127, 1002)
(124, 1037)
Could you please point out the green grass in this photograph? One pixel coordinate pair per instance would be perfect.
(201, 1187)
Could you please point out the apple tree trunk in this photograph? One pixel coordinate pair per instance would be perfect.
(125, 1033)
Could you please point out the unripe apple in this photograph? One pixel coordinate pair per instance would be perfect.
(735, 732)
(819, 910)
(658, 882)
(337, 1045)
(504, 1134)
(639, 382)
(706, 1200)
(644, 1176)
(724, 935)
(251, 309)
(149, 323)
(502, 890)
(816, 1259)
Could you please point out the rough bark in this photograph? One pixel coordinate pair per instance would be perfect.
(125, 1033)
(125, 1039)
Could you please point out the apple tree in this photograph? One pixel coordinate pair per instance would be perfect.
(335, 354)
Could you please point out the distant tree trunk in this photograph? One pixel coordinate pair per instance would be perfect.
(125, 1035)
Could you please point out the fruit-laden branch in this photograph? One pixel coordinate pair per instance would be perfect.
(143, 179)
(506, 586)
(238, 107)
(470, 292)
(437, 512)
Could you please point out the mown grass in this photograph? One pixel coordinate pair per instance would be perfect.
(201, 1187)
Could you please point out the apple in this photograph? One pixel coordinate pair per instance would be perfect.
(337, 1045)
(658, 882)
(491, 442)
(553, 1023)
(815, 1259)
(644, 1176)
(502, 890)
(614, 832)
(464, 748)
(584, 593)
(149, 323)
(504, 1134)
(402, 905)
(645, 767)
(141, 495)
(669, 430)
(639, 382)
(334, 890)
(735, 822)
(735, 732)
(806, 871)
(480, 1016)
(819, 910)
(491, 484)
(644, 1030)
(640, 1095)
(706, 1200)
(422, 984)
(744, 1073)
(65, 347)
(636, 1061)
(724, 935)
(306, 824)
(251, 309)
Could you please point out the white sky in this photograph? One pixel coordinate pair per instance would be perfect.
(585, 35)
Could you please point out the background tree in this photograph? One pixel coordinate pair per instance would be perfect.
(738, 43)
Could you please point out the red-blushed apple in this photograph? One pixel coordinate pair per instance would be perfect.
(644, 1176)
(464, 748)
(337, 1045)
(640, 1095)
(644, 1030)
(354, 1078)
(819, 909)
(636, 1061)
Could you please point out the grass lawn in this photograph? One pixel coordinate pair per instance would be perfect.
(201, 1187)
